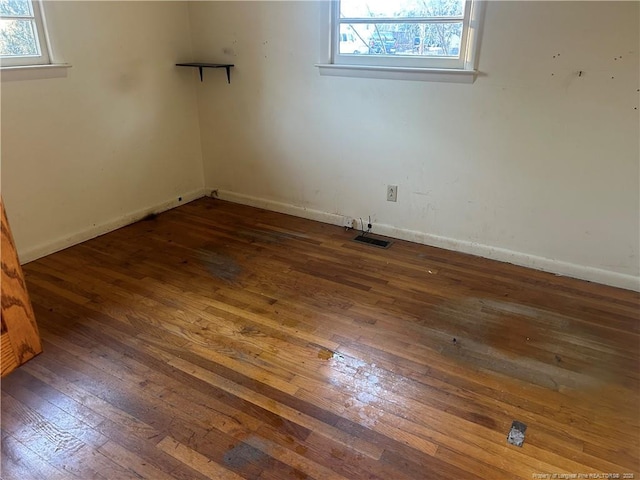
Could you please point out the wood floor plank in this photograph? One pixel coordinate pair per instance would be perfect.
(56, 424)
(196, 460)
(59, 448)
(18, 461)
(61, 389)
(217, 340)
(138, 467)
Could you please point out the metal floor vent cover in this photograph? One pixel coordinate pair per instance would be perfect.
(516, 434)
(374, 242)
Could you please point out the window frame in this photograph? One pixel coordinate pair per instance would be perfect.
(41, 36)
(405, 64)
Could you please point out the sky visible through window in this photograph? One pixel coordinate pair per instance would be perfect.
(426, 39)
(405, 8)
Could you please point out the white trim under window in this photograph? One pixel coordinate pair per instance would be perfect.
(23, 37)
(436, 41)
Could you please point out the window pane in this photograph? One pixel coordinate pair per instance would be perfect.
(401, 8)
(416, 39)
(354, 40)
(13, 8)
(438, 39)
(18, 38)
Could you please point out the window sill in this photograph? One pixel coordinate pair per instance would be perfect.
(399, 73)
(34, 72)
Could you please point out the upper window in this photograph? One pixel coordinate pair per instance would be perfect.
(404, 33)
(22, 35)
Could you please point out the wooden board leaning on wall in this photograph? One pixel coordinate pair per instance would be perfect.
(19, 338)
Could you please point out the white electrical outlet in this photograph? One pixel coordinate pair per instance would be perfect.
(392, 193)
(348, 222)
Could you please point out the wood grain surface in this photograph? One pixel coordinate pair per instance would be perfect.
(19, 337)
(221, 341)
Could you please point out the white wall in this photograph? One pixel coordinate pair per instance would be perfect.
(531, 164)
(116, 138)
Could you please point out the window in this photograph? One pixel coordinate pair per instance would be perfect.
(427, 34)
(22, 35)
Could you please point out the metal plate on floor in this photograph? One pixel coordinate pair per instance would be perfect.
(516, 434)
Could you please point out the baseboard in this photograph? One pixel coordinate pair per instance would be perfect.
(581, 272)
(48, 248)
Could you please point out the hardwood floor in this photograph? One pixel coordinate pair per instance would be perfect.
(225, 342)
